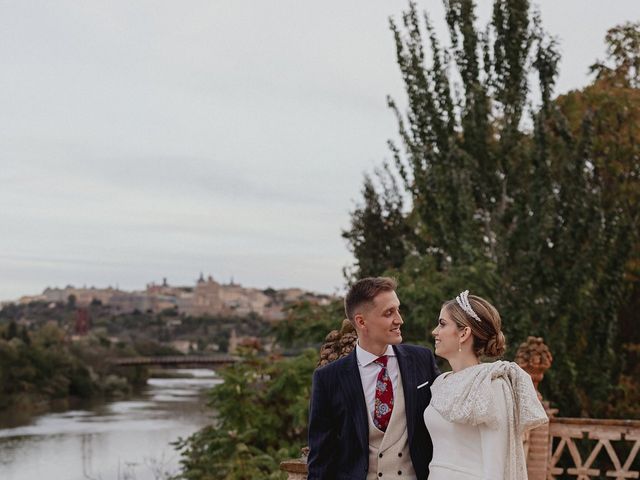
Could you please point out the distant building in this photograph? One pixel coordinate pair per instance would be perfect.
(183, 346)
(274, 313)
(239, 301)
(291, 295)
(130, 302)
(83, 296)
(206, 298)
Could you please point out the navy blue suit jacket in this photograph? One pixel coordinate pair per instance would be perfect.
(338, 425)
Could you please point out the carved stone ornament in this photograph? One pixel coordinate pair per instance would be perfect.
(338, 343)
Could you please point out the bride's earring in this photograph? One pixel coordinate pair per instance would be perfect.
(459, 346)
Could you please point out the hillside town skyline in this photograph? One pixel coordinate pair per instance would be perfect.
(206, 296)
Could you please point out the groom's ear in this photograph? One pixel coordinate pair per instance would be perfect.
(358, 320)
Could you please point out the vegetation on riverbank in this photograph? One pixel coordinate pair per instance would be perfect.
(41, 368)
(261, 418)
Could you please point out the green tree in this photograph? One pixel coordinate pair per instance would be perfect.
(623, 55)
(71, 301)
(378, 232)
(307, 324)
(612, 105)
(12, 330)
(506, 198)
(24, 335)
(261, 419)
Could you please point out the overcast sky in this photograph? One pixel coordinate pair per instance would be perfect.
(151, 138)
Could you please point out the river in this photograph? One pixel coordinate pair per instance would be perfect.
(120, 440)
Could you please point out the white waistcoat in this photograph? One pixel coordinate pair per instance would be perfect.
(389, 451)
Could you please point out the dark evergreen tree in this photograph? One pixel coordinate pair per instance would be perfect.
(12, 330)
(71, 302)
(379, 231)
(24, 336)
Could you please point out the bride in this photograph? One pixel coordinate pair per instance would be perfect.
(478, 411)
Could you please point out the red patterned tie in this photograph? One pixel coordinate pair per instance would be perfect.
(384, 396)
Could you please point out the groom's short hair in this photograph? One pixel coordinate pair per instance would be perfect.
(364, 291)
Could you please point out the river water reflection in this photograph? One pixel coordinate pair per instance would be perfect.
(122, 440)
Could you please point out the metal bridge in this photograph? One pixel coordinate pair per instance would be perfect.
(175, 360)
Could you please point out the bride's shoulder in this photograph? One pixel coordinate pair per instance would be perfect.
(504, 367)
(441, 378)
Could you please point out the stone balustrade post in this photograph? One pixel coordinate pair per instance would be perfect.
(534, 357)
(296, 469)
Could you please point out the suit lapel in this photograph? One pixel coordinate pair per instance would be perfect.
(356, 404)
(405, 364)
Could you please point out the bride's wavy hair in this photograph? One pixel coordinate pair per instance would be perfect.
(488, 339)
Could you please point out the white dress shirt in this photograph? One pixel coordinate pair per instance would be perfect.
(369, 373)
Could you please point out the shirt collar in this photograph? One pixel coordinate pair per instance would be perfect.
(365, 358)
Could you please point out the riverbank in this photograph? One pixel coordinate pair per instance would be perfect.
(24, 407)
(18, 408)
(127, 438)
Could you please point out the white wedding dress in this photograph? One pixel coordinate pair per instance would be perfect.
(476, 419)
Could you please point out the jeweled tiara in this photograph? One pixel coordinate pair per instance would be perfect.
(463, 301)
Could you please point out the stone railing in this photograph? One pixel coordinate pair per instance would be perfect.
(565, 448)
(574, 453)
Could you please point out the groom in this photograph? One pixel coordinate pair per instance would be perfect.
(366, 415)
